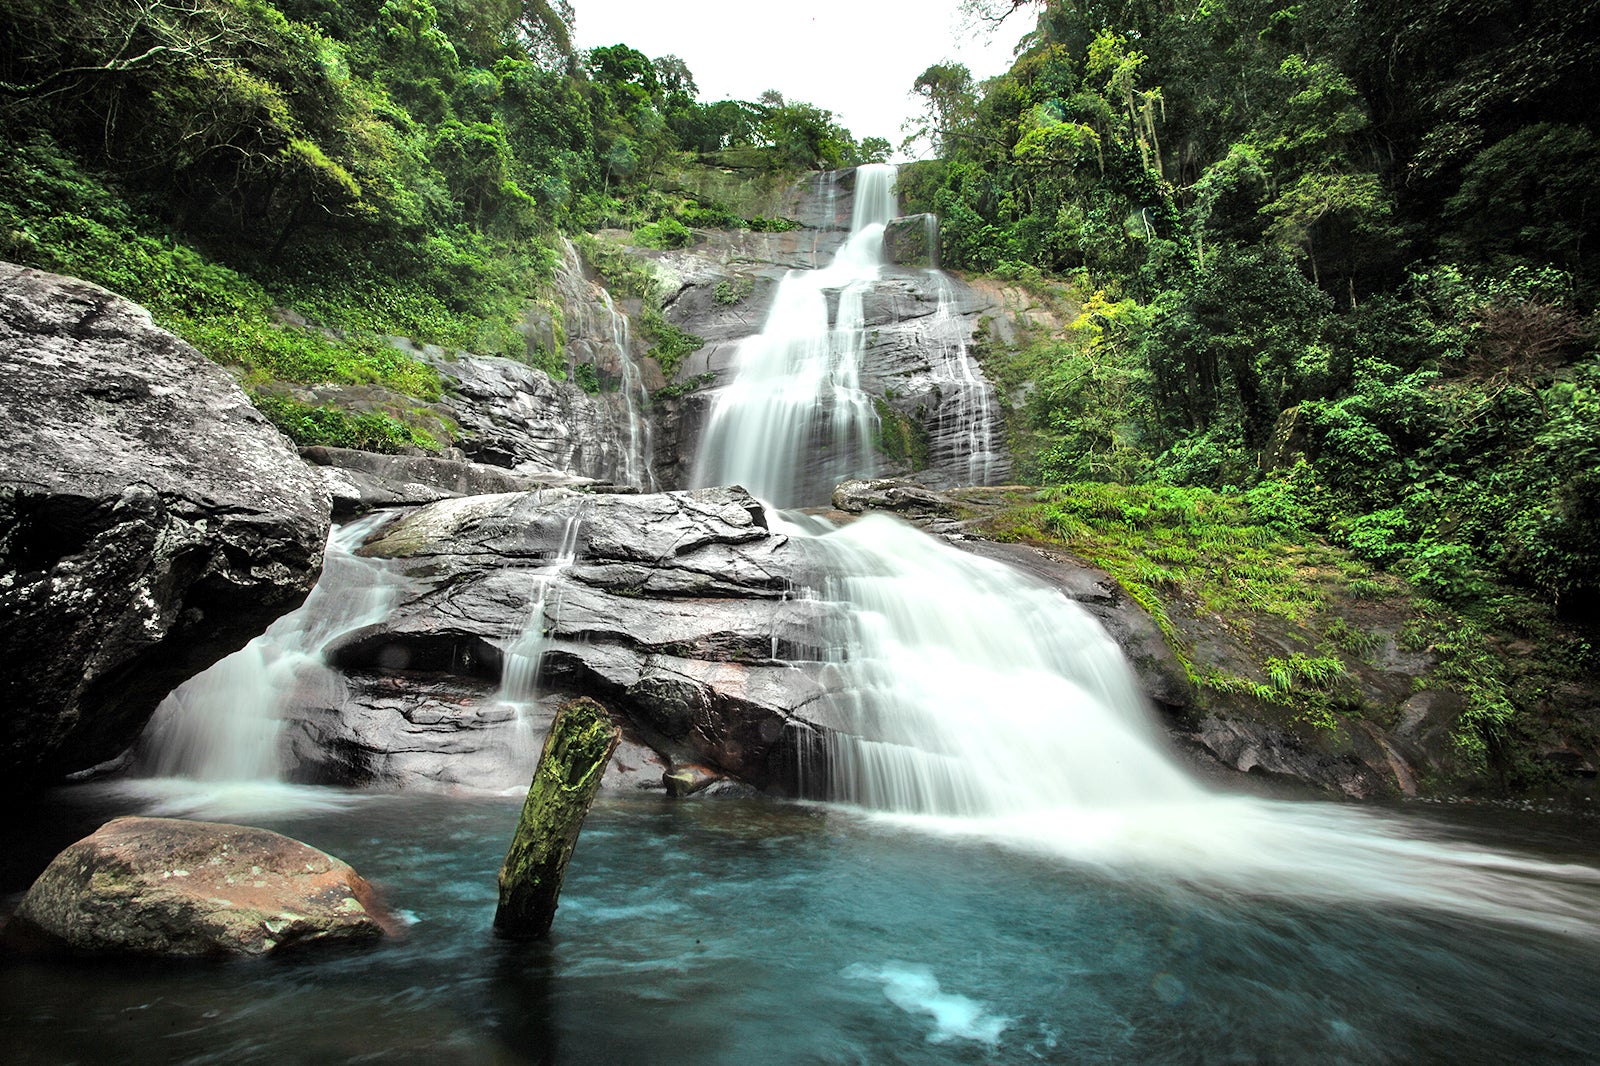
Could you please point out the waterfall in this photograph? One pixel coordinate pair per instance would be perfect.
(968, 449)
(224, 724)
(794, 420)
(637, 470)
(969, 700)
(972, 691)
(519, 677)
(605, 341)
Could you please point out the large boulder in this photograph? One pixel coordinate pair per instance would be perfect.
(678, 613)
(151, 521)
(169, 887)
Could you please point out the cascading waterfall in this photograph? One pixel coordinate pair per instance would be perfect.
(519, 676)
(605, 340)
(971, 690)
(225, 724)
(977, 702)
(638, 469)
(794, 420)
(966, 420)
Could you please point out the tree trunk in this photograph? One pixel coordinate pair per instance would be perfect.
(574, 758)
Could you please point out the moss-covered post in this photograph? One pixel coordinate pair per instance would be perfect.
(576, 750)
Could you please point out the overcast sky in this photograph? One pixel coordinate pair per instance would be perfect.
(856, 58)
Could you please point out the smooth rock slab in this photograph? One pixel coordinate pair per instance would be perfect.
(169, 887)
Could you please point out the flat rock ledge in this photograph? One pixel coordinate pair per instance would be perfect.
(173, 888)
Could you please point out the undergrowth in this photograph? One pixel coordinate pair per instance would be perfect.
(1245, 561)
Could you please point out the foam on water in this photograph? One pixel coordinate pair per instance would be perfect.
(915, 990)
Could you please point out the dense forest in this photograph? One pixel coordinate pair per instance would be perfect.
(1340, 253)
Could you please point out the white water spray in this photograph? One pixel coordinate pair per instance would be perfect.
(214, 745)
(637, 468)
(605, 341)
(794, 420)
(966, 423)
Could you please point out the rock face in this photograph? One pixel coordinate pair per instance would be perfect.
(682, 612)
(912, 241)
(518, 417)
(150, 521)
(675, 614)
(167, 887)
(364, 481)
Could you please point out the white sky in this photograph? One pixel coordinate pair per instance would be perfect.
(856, 58)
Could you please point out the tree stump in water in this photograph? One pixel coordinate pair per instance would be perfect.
(574, 758)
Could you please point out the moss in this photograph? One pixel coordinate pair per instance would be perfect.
(576, 750)
(684, 387)
(1309, 617)
(899, 438)
(669, 344)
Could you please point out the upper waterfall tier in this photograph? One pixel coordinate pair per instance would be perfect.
(859, 368)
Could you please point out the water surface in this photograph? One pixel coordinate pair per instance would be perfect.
(736, 932)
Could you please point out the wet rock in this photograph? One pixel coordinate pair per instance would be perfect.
(897, 495)
(168, 887)
(912, 241)
(1355, 766)
(364, 481)
(676, 614)
(151, 522)
(688, 779)
(517, 416)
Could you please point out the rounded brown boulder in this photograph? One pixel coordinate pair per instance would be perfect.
(169, 887)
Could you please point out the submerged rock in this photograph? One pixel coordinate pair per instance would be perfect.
(169, 887)
(151, 521)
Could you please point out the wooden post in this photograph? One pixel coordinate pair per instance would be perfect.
(576, 750)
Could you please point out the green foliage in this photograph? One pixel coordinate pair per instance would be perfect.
(388, 168)
(587, 378)
(684, 387)
(666, 233)
(1347, 248)
(310, 424)
(669, 343)
(899, 438)
(771, 225)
